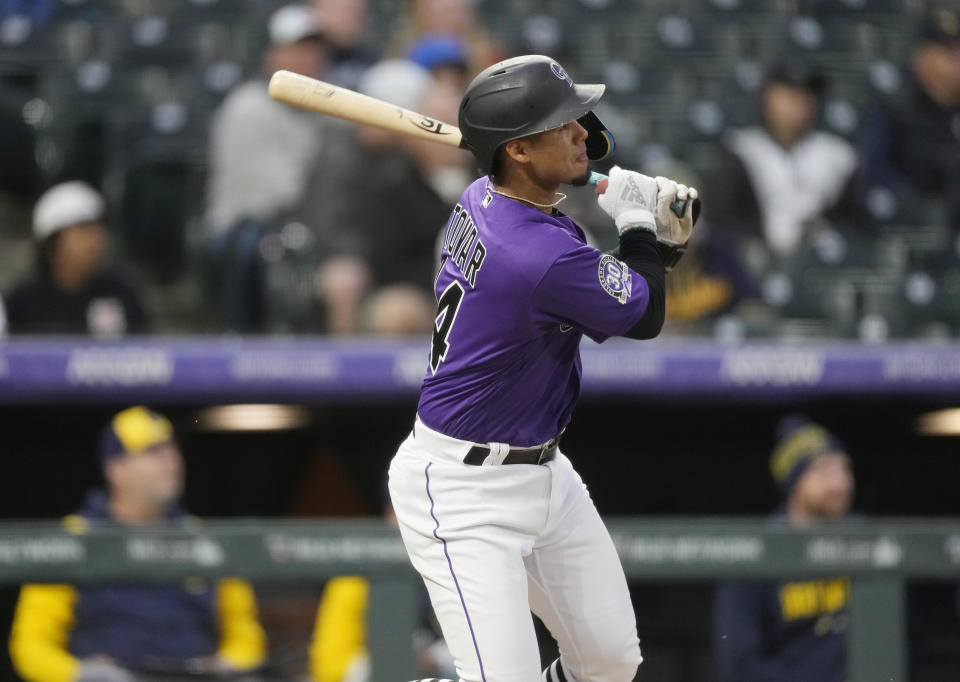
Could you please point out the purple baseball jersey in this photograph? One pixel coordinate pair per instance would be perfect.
(517, 289)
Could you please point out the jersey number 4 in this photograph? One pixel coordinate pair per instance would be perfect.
(447, 308)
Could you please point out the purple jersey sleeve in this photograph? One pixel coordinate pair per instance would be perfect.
(593, 291)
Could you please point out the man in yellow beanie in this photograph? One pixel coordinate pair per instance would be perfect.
(107, 632)
(792, 630)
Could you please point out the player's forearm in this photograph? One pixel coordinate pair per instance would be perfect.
(638, 249)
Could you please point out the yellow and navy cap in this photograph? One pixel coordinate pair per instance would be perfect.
(134, 430)
(799, 441)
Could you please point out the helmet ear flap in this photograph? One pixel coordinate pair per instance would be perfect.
(600, 143)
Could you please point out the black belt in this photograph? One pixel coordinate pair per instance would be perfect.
(538, 455)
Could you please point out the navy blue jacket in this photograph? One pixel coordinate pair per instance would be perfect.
(787, 631)
(139, 624)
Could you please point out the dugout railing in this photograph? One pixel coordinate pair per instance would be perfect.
(879, 556)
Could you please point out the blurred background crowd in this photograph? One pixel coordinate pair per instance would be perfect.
(824, 135)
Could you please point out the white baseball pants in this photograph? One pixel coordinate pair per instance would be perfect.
(493, 543)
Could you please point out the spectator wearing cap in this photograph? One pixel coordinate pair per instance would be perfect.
(781, 180)
(267, 159)
(345, 27)
(408, 190)
(72, 291)
(262, 151)
(445, 57)
(792, 630)
(455, 18)
(108, 632)
(911, 145)
(411, 191)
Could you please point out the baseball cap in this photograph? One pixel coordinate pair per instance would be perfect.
(940, 25)
(434, 50)
(135, 429)
(799, 442)
(65, 205)
(796, 72)
(292, 23)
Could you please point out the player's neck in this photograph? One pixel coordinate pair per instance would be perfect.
(521, 187)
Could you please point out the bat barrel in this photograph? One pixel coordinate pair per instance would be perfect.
(313, 95)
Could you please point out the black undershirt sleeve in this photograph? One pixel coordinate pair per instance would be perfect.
(638, 249)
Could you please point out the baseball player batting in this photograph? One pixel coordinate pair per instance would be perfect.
(492, 514)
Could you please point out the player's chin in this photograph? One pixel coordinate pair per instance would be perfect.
(581, 178)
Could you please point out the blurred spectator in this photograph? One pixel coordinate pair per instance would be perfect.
(794, 629)
(344, 26)
(262, 151)
(445, 57)
(780, 179)
(711, 279)
(109, 632)
(266, 158)
(911, 147)
(456, 18)
(383, 192)
(72, 291)
(410, 194)
(338, 201)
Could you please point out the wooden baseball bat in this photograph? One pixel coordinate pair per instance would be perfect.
(308, 93)
(311, 94)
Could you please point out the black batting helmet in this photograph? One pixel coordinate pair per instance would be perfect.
(526, 95)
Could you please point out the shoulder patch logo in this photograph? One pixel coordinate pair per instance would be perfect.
(487, 199)
(615, 278)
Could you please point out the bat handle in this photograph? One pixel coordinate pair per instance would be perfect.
(678, 207)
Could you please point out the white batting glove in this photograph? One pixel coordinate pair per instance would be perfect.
(673, 229)
(630, 199)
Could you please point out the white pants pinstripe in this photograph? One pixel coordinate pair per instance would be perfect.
(493, 543)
